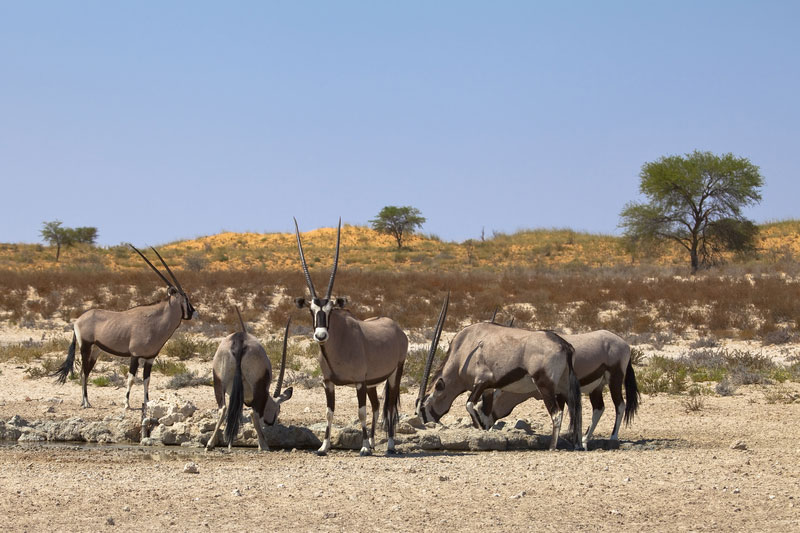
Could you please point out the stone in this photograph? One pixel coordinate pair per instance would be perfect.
(187, 409)
(454, 440)
(404, 428)
(348, 439)
(739, 445)
(430, 441)
(190, 468)
(171, 418)
(157, 409)
(523, 425)
(488, 441)
(415, 422)
(17, 421)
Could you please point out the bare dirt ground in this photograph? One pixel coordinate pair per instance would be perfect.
(675, 471)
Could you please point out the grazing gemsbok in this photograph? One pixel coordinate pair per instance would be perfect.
(243, 371)
(490, 356)
(356, 352)
(600, 358)
(138, 333)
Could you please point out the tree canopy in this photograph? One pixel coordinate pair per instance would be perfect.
(696, 200)
(398, 222)
(57, 235)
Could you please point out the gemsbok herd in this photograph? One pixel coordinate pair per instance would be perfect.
(499, 366)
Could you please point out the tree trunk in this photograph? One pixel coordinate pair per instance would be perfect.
(695, 261)
(58, 251)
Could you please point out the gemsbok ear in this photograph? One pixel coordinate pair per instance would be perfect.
(285, 395)
(172, 291)
(300, 302)
(340, 302)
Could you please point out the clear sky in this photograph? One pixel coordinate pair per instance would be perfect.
(156, 121)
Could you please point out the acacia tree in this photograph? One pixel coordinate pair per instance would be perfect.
(57, 235)
(696, 200)
(398, 222)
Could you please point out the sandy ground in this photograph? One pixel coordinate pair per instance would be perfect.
(675, 471)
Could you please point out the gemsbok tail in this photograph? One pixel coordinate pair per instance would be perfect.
(66, 368)
(391, 400)
(631, 395)
(236, 401)
(574, 399)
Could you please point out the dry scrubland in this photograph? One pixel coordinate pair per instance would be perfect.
(716, 356)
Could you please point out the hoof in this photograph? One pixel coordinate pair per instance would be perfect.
(321, 453)
(392, 451)
(365, 452)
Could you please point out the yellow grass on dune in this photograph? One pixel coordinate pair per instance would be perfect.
(364, 248)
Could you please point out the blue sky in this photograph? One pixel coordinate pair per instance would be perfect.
(157, 121)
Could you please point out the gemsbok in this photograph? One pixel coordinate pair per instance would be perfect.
(138, 333)
(490, 356)
(243, 371)
(356, 352)
(600, 358)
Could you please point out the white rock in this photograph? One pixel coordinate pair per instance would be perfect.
(190, 468)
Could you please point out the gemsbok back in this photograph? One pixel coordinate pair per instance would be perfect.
(600, 358)
(356, 352)
(487, 356)
(243, 371)
(138, 333)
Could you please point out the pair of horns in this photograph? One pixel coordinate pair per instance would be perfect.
(437, 333)
(279, 385)
(305, 266)
(174, 282)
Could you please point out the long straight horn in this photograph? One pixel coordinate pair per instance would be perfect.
(146, 260)
(178, 285)
(434, 344)
(335, 260)
(494, 315)
(241, 322)
(303, 260)
(283, 360)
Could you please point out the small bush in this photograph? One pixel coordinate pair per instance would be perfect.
(183, 347)
(726, 387)
(101, 381)
(779, 394)
(188, 379)
(705, 342)
(169, 368)
(637, 356)
(781, 336)
(694, 401)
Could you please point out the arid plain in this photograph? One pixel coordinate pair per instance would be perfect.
(713, 447)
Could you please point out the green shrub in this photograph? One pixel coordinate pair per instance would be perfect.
(169, 368)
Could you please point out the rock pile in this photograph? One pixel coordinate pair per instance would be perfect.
(185, 425)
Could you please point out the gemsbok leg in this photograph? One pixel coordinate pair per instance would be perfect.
(361, 394)
(615, 388)
(148, 365)
(330, 399)
(87, 364)
(134, 366)
(372, 394)
(598, 406)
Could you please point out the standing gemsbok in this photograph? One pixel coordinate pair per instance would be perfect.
(356, 352)
(600, 358)
(490, 356)
(138, 333)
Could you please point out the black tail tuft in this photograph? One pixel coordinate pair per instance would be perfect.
(391, 401)
(236, 401)
(66, 368)
(631, 395)
(574, 399)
